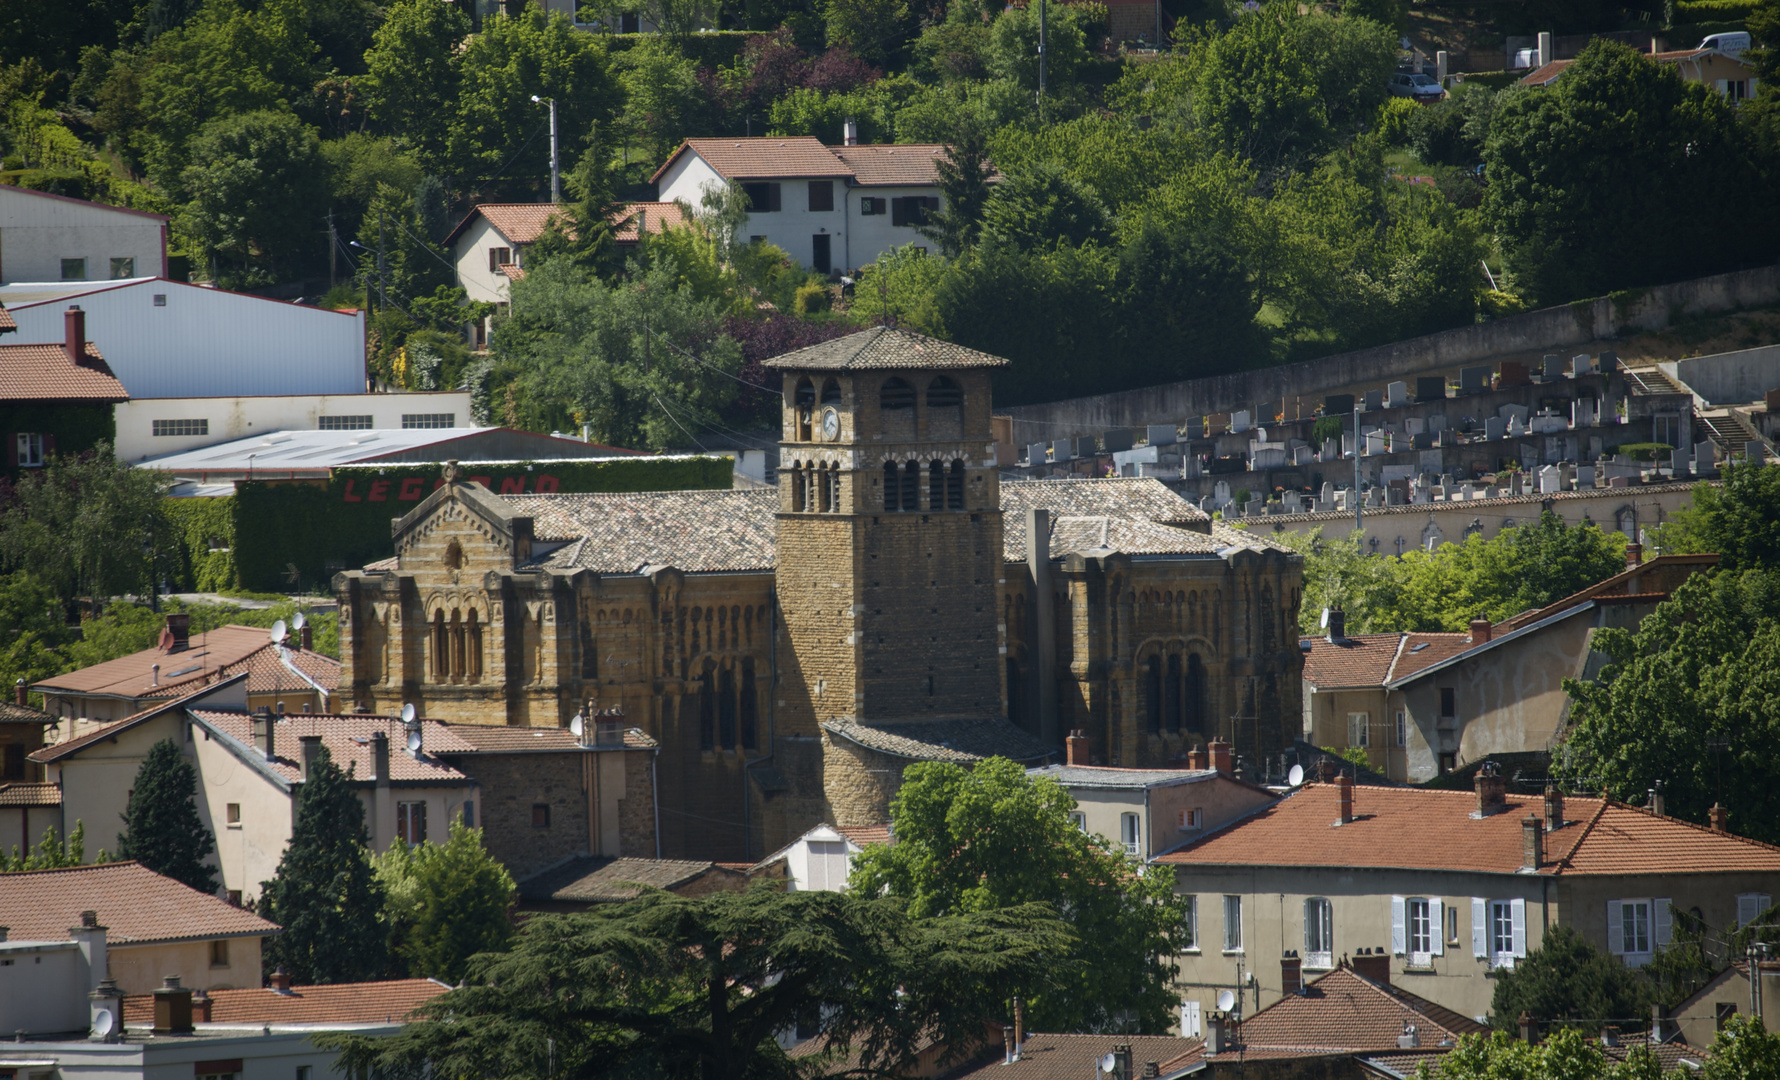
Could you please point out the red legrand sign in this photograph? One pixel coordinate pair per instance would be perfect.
(415, 488)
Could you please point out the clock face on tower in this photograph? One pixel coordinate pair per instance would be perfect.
(831, 424)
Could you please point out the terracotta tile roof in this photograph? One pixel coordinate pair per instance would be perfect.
(348, 741)
(61, 750)
(490, 739)
(7, 324)
(23, 714)
(866, 835)
(654, 217)
(297, 669)
(337, 1003)
(1418, 829)
(1670, 570)
(1422, 651)
(44, 373)
(1346, 1011)
(30, 794)
(961, 741)
(520, 223)
(1356, 660)
(908, 164)
(134, 676)
(1104, 776)
(884, 348)
(134, 904)
(692, 530)
(597, 879)
(1545, 74)
(1072, 1057)
(512, 271)
(765, 158)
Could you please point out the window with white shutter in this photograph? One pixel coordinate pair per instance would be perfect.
(827, 866)
(1480, 927)
(1399, 926)
(1319, 933)
(1631, 930)
(1359, 726)
(1750, 907)
(1232, 924)
(1128, 834)
(1190, 1027)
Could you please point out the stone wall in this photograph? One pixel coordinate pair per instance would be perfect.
(511, 784)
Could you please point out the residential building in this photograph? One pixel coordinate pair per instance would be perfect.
(1729, 74)
(155, 427)
(1044, 1056)
(1699, 1019)
(1145, 812)
(488, 246)
(579, 883)
(150, 926)
(821, 860)
(54, 397)
(171, 339)
(712, 618)
(832, 208)
(286, 675)
(1448, 886)
(1422, 705)
(28, 804)
(48, 237)
(283, 1005)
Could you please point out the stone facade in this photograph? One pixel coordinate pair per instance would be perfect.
(792, 650)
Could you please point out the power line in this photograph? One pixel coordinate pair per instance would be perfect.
(676, 421)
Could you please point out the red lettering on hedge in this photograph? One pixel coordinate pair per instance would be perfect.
(379, 491)
(350, 497)
(512, 485)
(548, 485)
(439, 483)
(410, 489)
(483, 480)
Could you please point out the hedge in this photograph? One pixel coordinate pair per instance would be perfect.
(254, 539)
(712, 49)
(1692, 11)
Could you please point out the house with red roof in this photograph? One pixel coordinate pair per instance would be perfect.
(1441, 889)
(1727, 73)
(821, 859)
(55, 397)
(1425, 704)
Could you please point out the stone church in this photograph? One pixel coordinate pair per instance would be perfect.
(891, 601)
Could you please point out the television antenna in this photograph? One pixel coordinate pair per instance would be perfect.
(1295, 776)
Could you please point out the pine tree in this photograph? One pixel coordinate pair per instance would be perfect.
(325, 894)
(162, 830)
(964, 173)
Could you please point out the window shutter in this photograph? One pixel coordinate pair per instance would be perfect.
(1480, 927)
(1189, 1020)
(1437, 910)
(815, 869)
(12, 451)
(1399, 933)
(898, 212)
(1615, 934)
(1724, 86)
(930, 205)
(1749, 907)
(49, 445)
(1662, 922)
(1520, 927)
(773, 196)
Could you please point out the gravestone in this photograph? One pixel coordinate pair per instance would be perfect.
(1585, 477)
(1513, 374)
(1706, 455)
(1680, 462)
(1327, 494)
(1195, 427)
(1516, 426)
(1118, 439)
(1553, 367)
(1551, 479)
(1397, 493)
(1437, 422)
(1374, 497)
(1062, 450)
(1255, 508)
(1495, 428)
(1449, 437)
(1607, 363)
(1430, 388)
(1239, 421)
(1580, 364)
(1267, 412)
(1338, 404)
(1414, 425)
(1220, 491)
(1474, 380)
(1396, 394)
(1755, 453)
(1374, 442)
(1507, 411)
(1582, 413)
(1302, 455)
(1374, 401)
(1423, 441)
(1087, 446)
(1035, 454)
(1514, 484)
(1163, 435)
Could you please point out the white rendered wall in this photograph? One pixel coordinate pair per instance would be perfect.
(471, 258)
(205, 342)
(239, 417)
(38, 231)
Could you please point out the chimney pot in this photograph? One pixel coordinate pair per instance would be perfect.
(89, 920)
(1220, 756)
(1075, 748)
(1196, 758)
(307, 636)
(1634, 554)
(1529, 1029)
(1151, 1070)
(178, 632)
(280, 980)
(1337, 625)
(18, 692)
(1019, 1024)
(1656, 799)
(1373, 964)
(312, 753)
(380, 757)
(74, 327)
(1480, 630)
(1344, 799)
(1554, 808)
(173, 1008)
(1492, 790)
(850, 137)
(1007, 1044)
(1532, 843)
(1291, 974)
(1720, 819)
(265, 734)
(201, 1006)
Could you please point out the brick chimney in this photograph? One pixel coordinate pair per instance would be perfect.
(1529, 1028)
(1151, 1070)
(1720, 818)
(1291, 973)
(1492, 790)
(1554, 809)
(379, 758)
(1122, 1054)
(1196, 758)
(1344, 800)
(1634, 554)
(1532, 843)
(311, 754)
(177, 635)
(201, 1006)
(1019, 1025)
(173, 1008)
(18, 692)
(1655, 802)
(1480, 630)
(1075, 748)
(265, 733)
(307, 637)
(1337, 625)
(1220, 756)
(1374, 964)
(280, 980)
(74, 329)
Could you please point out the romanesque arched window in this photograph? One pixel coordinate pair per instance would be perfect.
(472, 647)
(804, 403)
(798, 480)
(441, 647)
(1152, 693)
(726, 712)
(955, 486)
(707, 711)
(834, 488)
(1193, 700)
(1172, 708)
(831, 392)
(822, 493)
(896, 394)
(892, 486)
(936, 486)
(749, 706)
(943, 393)
(911, 486)
(457, 644)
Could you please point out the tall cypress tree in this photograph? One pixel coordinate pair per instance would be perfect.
(162, 830)
(325, 894)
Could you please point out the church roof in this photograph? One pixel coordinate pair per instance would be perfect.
(884, 348)
(694, 531)
(961, 741)
(1134, 515)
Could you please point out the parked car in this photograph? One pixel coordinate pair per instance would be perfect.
(1730, 44)
(1417, 86)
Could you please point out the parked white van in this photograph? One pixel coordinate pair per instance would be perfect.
(1730, 44)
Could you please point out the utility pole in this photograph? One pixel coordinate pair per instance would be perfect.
(382, 276)
(1359, 522)
(555, 168)
(1042, 23)
(333, 250)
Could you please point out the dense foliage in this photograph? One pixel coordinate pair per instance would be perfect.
(993, 838)
(1743, 1050)
(1567, 982)
(162, 830)
(701, 988)
(445, 903)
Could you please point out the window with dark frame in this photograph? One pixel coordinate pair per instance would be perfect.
(180, 427)
(821, 195)
(350, 422)
(123, 268)
(498, 256)
(219, 953)
(1448, 701)
(540, 815)
(871, 206)
(763, 197)
(411, 822)
(74, 269)
(821, 257)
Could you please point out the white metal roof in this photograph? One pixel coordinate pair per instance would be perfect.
(282, 451)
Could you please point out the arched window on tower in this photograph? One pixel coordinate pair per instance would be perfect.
(707, 711)
(892, 487)
(831, 392)
(936, 486)
(896, 395)
(911, 486)
(1152, 694)
(955, 486)
(1173, 710)
(457, 644)
(749, 706)
(943, 393)
(726, 708)
(1194, 698)
(945, 412)
(834, 489)
(821, 478)
(473, 637)
(799, 480)
(804, 405)
(441, 646)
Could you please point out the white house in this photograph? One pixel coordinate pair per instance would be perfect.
(152, 427)
(830, 208)
(171, 339)
(821, 859)
(47, 237)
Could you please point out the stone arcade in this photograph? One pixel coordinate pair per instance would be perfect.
(891, 601)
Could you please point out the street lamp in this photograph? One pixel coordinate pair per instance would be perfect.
(555, 172)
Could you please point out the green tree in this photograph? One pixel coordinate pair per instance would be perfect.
(1636, 141)
(33, 631)
(1255, 91)
(1735, 520)
(1340, 574)
(446, 903)
(1687, 700)
(79, 524)
(1390, 14)
(964, 173)
(1043, 205)
(414, 72)
(359, 164)
(1013, 48)
(51, 853)
(679, 18)
(872, 29)
(325, 894)
(993, 838)
(1567, 982)
(699, 988)
(1744, 1050)
(259, 188)
(162, 830)
(1566, 1055)
(663, 101)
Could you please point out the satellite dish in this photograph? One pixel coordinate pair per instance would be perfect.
(577, 726)
(414, 741)
(1295, 776)
(103, 1022)
(1226, 1000)
(408, 713)
(278, 631)
(1108, 1063)
(297, 621)
(1325, 620)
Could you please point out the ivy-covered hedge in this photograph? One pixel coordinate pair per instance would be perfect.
(317, 528)
(205, 534)
(708, 49)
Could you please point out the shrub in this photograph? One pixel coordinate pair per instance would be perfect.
(1396, 119)
(1645, 451)
(811, 298)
